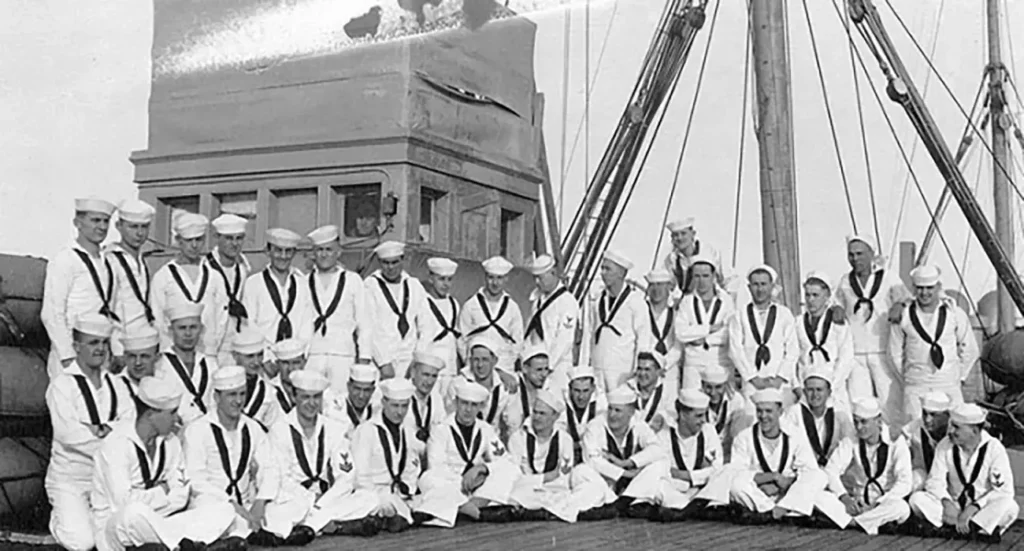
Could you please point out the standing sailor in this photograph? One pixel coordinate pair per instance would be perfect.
(261, 404)
(233, 269)
(440, 326)
(685, 247)
(933, 344)
(427, 405)
(619, 317)
(273, 297)
(728, 411)
(970, 486)
(338, 305)
(816, 416)
(130, 271)
(78, 281)
(824, 337)
(553, 319)
(141, 352)
(354, 407)
(186, 278)
(925, 433)
(660, 335)
(654, 396)
(183, 363)
(534, 377)
(84, 407)
(869, 474)
(395, 302)
(701, 323)
(867, 295)
(139, 483)
(583, 405)
(762, 338)
(491, 312)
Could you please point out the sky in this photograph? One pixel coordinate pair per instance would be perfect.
(76, 77)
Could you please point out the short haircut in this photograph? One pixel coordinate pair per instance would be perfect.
(647, 356)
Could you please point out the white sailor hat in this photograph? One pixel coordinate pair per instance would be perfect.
(283, 237)
(582, 372)
(531, 351)
(184, 309)
(622, 396)
(866, 408)
(289, 349)
(820, 370)
(229, 377)
(143, 338)
(497, 266)
(95, 325)
(618, 259)
(551, 399)
(816, 276)
(444, 267)
(693, 398)
(484, 341)
(862, 238)
(389, 249)
(925, 275)
(542, 264)
(363, 373)
(248, 341)
(681, 224)
(324, 235)
(935, 402)
(159, 393)
(308, 380)
(427, 359)
(659, 275)
(188, 225)
(229, 224)
(94, 204)
(396, 389)
(134, 211)
(767, 395)
(703, 259)
(968, 414)
(471, 392)
(715, 375)
(763, 268)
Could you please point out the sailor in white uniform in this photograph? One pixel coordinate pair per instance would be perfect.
(869, 474)
(186, 278)
(762, 338)
(492, 313)
(924, 434)
(139, 483)
(816, 417)
(497, 411)
(469, 467)
(395, 303)
(386, 465)
(441, 320)
(659, 336)
(534, 377)
(728, 411)
(229, 264)
(427, 407)
(337, 302)
(78, 281)
(261, 404)
(130, 271)
(186, 365)
(274, 297)
(617, 319)
(290, 356)
(140, 348)
(550, 480)
(655, 396)
(701, 325)
(867, 294)
(583, 404)
(84, 407)
(554, 317)
(933, 344)
(686, 246)
(358, 404)
(970, 485)
(825, 337)
(317, 467)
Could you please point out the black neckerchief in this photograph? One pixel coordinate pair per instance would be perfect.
(492, 411)
(447, 327)
(820, 450)
(927, 449)
(133, 283)
(627, 446)
(765, 468)
(967, 494)
(256, 394)
(422, 421)
(677, 453)
(716, 307)
(186, 379)
(536, 325)
(283, 399)
(392, 439)
(235, 307)
(225, 459)
(881, 457)
(128, 385)
(105, 297)
(203, 282)
(605, 314)
(284, 326)
(858, 291)
(90, 401)
(763, 355)
(492, 321)
(403, 314)
(312, 477)
(355, 416)
(320, 323)
(721, 415)
(661, 334)
(467, 447)
(811, 330)
(550, 461)
(935, 351)
(149, 480)
(653, 402)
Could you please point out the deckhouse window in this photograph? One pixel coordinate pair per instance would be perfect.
(295, 209)
(434, 214)
(359, 206)
(512, 235)
(175, 207)
(240, 204)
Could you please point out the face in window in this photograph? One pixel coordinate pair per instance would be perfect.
(366, 217)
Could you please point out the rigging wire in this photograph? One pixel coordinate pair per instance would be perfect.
(864, 142)
(743, 140)
(974, 191)
(566, 53)
(586, 95)
(831, 119)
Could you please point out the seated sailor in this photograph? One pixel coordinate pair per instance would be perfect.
(84, 408)
(970, 486)
(728, 410)
(428, 405)
(184, 363)
(483, 362)
(583, 405)
(620, 446)
(533, 378)
(654, 396)
(815, 416)
(317, 479)
(924, 434)
(247, 349)
(386, 465)
(551, 480)
(772, 469)
(869, 473)
(139, 483)
(469, 468)
(289, 355)
(356, 406)
(140, 346)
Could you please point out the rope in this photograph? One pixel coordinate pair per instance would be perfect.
(974, 191)
(743, 140)
(586, 95)
(566, 52)
(864, 142)
(686, 138)
(831, 119)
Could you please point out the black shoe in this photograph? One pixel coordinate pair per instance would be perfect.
(396, 524)
(148, 547)
(301, 535)
(496, 514)
(233, 543)
(664, 514)
(603, 512)
(419, 517)
(364, 527)
(188, 545)
(265, 539)
(641, 510)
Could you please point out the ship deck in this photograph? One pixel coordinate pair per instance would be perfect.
(622, 534)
